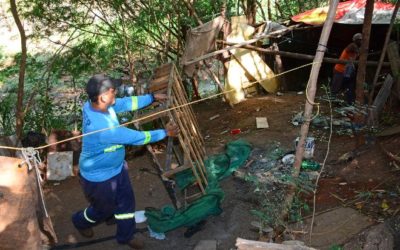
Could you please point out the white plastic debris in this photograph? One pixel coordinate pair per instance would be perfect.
(140, 217)
(59, 165)
(158, 236)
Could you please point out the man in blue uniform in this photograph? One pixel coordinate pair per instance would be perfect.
(103, 171)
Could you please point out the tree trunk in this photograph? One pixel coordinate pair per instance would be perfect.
(366, 31)
(251, 11)
(19, 113)
(269, 9)
(192, 11)
(262, 10)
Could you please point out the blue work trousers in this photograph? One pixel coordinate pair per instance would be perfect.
(113, 197)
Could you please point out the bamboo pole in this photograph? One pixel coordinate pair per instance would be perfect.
(310, 91)
(382, 57)
(168, 158)
(188, 155)
(190, 123)
(193, 148)
(180, 89)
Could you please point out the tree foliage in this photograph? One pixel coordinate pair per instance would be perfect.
(115, 37)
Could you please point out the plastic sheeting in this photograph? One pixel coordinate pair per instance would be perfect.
(246, 67)
(218, 167)
(349, 12)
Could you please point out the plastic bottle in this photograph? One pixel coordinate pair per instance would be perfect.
(310, 165)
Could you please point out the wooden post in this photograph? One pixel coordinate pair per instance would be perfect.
(311, 89)
(279, 66)
(394, 58)
(304, 56)
(383, 53)
(366, 31)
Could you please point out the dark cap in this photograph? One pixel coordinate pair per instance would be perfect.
(99, 84)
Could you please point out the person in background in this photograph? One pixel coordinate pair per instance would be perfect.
(103, 172)
(344, 75)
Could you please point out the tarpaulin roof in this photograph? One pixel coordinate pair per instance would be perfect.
(349, 12)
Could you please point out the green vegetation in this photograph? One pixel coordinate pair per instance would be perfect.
(115, 37)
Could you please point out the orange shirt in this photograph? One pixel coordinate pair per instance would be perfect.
(349, 53)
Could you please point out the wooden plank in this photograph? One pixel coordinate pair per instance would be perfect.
(394, 59)
(163, 69)
(382, 96)
(157, 87)
(172, 172)
(160, 80)
(144, 119)
(390, 131)
(193, 197)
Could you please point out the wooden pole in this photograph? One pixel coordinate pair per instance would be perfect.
(279, 66)
(387, 38)
(366, 31)
(311, 89)
(188, 124)
(304, 56)
(181, 90)
(189, 151)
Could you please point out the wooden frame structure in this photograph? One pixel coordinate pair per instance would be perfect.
(190, 151)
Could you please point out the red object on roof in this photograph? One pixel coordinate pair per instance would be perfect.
(350, 12)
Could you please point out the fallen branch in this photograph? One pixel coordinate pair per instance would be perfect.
(390, 154)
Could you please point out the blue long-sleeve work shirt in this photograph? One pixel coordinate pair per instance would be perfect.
(103, 153)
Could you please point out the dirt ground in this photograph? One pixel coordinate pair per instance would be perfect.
(368, 182)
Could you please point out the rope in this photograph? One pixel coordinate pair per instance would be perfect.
(31, 156)
(166, 110)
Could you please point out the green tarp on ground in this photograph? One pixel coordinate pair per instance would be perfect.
(218, 167)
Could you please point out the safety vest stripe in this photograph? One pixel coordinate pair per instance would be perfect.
(87, 218)
(124, 216)
(112, 148)
(148, 137)
(135, 103)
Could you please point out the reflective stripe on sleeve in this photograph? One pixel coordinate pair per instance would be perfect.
(135, 103)
(124, 216)
(87, 218)
(112, 148)
(148, 137)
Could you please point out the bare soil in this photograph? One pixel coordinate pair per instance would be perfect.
(368, 182)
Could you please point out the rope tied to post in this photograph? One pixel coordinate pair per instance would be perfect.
(32, 160)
